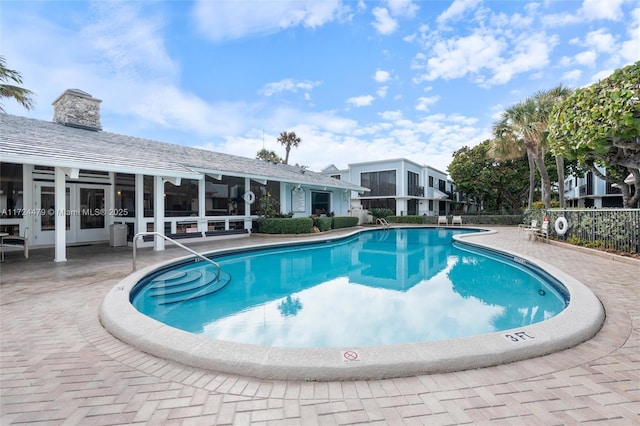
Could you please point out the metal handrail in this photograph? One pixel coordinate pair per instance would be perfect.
(139, 234)
(382, 221)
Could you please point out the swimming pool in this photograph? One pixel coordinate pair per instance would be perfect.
(380, 287)
(579, 321)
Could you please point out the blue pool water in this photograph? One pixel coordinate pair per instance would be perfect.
(379, 287)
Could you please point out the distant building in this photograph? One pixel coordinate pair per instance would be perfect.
(404, 187)
(591, 191)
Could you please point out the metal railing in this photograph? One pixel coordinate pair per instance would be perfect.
(616, 229)
(382, 221)
(158, 234)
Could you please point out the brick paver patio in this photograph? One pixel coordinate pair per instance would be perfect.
(59, 366)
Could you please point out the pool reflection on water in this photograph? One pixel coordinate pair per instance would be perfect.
(402, 285)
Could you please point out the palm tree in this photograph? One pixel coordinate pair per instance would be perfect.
(21, 95)
(265, 154)
(547, 100)
(288, 139)
(525, 123)
(506, 145)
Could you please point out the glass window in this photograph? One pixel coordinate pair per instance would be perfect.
(91, 203)
(148, 196)
(383, 203)
(380, 183)
(181, 200)
(125, 194)
(267, 200)
(320, 203)
(11, 191)
(430, 181)
(224, 197)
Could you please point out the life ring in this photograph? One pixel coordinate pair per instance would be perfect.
(561, 225)
(249, 197)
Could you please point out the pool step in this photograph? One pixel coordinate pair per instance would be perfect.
(181, 286)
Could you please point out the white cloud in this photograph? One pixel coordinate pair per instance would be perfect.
(529, 52)
(126, 44)
(630, 49)
(382, 76)
(384, 23)
(573, 75)
(457, 57)
(587, 58)
(591, 10)
(457, 10)
(601, 41)
(425, 102)
(224, 20)
(360, 101)
(391, 115)
(597, 9)
(404, 8)
(287, 85)
(382, 91)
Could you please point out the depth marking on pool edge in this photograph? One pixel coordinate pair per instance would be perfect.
(350, 356)
(518, 336)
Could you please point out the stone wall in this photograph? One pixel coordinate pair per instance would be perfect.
(76, 108)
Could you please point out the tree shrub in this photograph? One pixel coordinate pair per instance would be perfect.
(343, 222)
(296, 225)
(405, 219)
(378, 212)
(324, 223)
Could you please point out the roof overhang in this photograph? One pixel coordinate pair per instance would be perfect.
(70, 166)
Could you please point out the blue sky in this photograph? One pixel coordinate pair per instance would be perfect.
(356, 80)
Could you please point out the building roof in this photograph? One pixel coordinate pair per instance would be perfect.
(39, 142)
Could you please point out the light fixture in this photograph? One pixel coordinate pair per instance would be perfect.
(298, 187)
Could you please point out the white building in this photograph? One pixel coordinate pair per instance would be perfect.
(405, 187)
(66, 182)
(591, 191)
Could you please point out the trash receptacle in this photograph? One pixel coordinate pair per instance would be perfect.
(118, 235)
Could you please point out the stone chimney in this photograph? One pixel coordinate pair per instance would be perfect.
(75, 108)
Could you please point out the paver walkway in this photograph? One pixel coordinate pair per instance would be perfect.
(59, 366)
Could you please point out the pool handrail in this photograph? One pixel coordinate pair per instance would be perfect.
(201, 256)
(382, 221)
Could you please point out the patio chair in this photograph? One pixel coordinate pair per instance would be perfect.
(530, 230)
(542, 233)
(21, 241)
(457, 220)
(442, 220)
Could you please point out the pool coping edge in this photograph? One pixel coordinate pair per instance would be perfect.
(581, 320)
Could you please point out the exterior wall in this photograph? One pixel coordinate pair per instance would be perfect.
(426, 200)
(128, 199)
(590, 191)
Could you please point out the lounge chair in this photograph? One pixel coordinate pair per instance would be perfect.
(442, 220)
(457, 220)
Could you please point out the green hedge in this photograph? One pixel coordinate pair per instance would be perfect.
(466, 219)
(324, 223)
(405, 219)
(344, 222)
(296, 225)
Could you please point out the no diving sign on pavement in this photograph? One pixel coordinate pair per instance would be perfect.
(350, 356)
